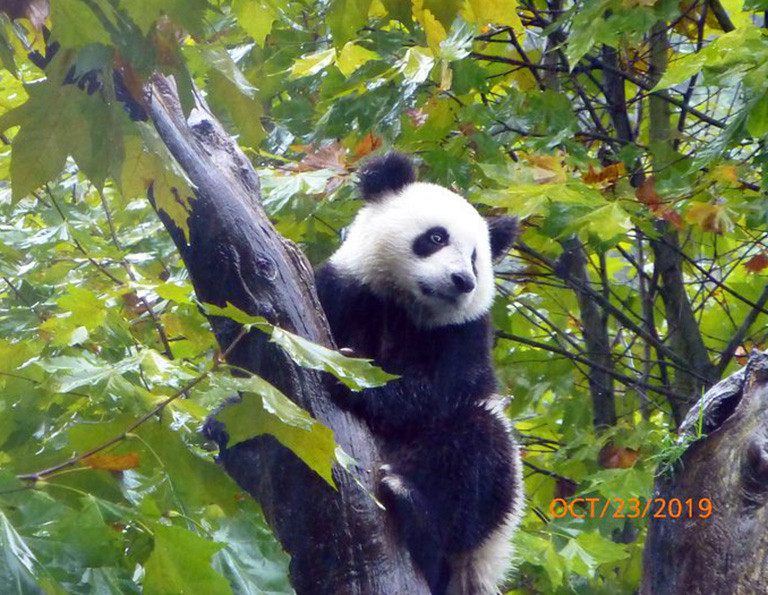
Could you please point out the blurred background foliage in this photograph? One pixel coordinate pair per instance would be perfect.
(628, 136)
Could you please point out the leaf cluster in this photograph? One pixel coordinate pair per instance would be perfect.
(627, 135)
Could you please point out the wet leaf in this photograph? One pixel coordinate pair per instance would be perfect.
(181, 563)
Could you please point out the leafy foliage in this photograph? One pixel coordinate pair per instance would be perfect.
(629, 135)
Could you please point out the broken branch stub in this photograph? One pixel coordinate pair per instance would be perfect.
(719, 541)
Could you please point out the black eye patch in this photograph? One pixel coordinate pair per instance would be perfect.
(430, 241)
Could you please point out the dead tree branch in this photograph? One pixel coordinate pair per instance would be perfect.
(339, 542)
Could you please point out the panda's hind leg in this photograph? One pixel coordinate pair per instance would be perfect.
(418, 526)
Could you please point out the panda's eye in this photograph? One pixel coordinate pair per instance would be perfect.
(431, 241)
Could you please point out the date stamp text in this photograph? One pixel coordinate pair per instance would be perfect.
(631, 508)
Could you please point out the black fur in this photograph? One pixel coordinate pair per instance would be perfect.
(504, 232)
(389, 173)
(448, 452)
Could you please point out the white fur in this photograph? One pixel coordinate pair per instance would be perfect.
(481, 571)
(378, 251)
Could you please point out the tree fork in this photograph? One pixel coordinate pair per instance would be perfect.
(339, 541)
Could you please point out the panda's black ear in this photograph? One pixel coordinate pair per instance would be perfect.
(504, 231)
(382, 175)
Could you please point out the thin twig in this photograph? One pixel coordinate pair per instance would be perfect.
(38, 475)
(632, 382)
(144, 301)
(740, 333)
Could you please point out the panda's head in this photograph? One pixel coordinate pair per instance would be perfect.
(422, 245)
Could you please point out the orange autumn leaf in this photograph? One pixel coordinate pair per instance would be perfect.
(592, 176)
(757, 263)
(113, 462)
(368, 145)
(132, 78)
(617, 457)
(742, 355)
(670, 215)
(709, 217)
(610, 174)
(546, 169)
(646, 193)
(332, 156)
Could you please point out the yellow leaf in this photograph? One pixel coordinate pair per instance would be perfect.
(353, 57)
(735, 9)
(416, 64)
(377, 10)
(499, 12)
(726, 174)
(145, 169)
(446, 76)
(113, 462)
(256, 18)
(312, 64)
(434, 30)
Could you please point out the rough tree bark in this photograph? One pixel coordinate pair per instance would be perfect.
(727, 466)
(339, 542)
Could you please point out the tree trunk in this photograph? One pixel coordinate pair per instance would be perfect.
(594, 328)
(719, 542)
(339, 541)
(685, 337)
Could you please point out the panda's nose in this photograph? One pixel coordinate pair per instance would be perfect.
(463, 282)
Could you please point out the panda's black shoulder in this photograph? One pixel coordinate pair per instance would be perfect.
(328, 283)
(350, 307)
(333, 286)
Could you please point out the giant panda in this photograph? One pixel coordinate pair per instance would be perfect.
(411, 287)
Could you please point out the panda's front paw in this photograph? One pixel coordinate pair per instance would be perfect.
(393, 487)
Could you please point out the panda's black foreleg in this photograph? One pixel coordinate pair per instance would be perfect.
(418, 526)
